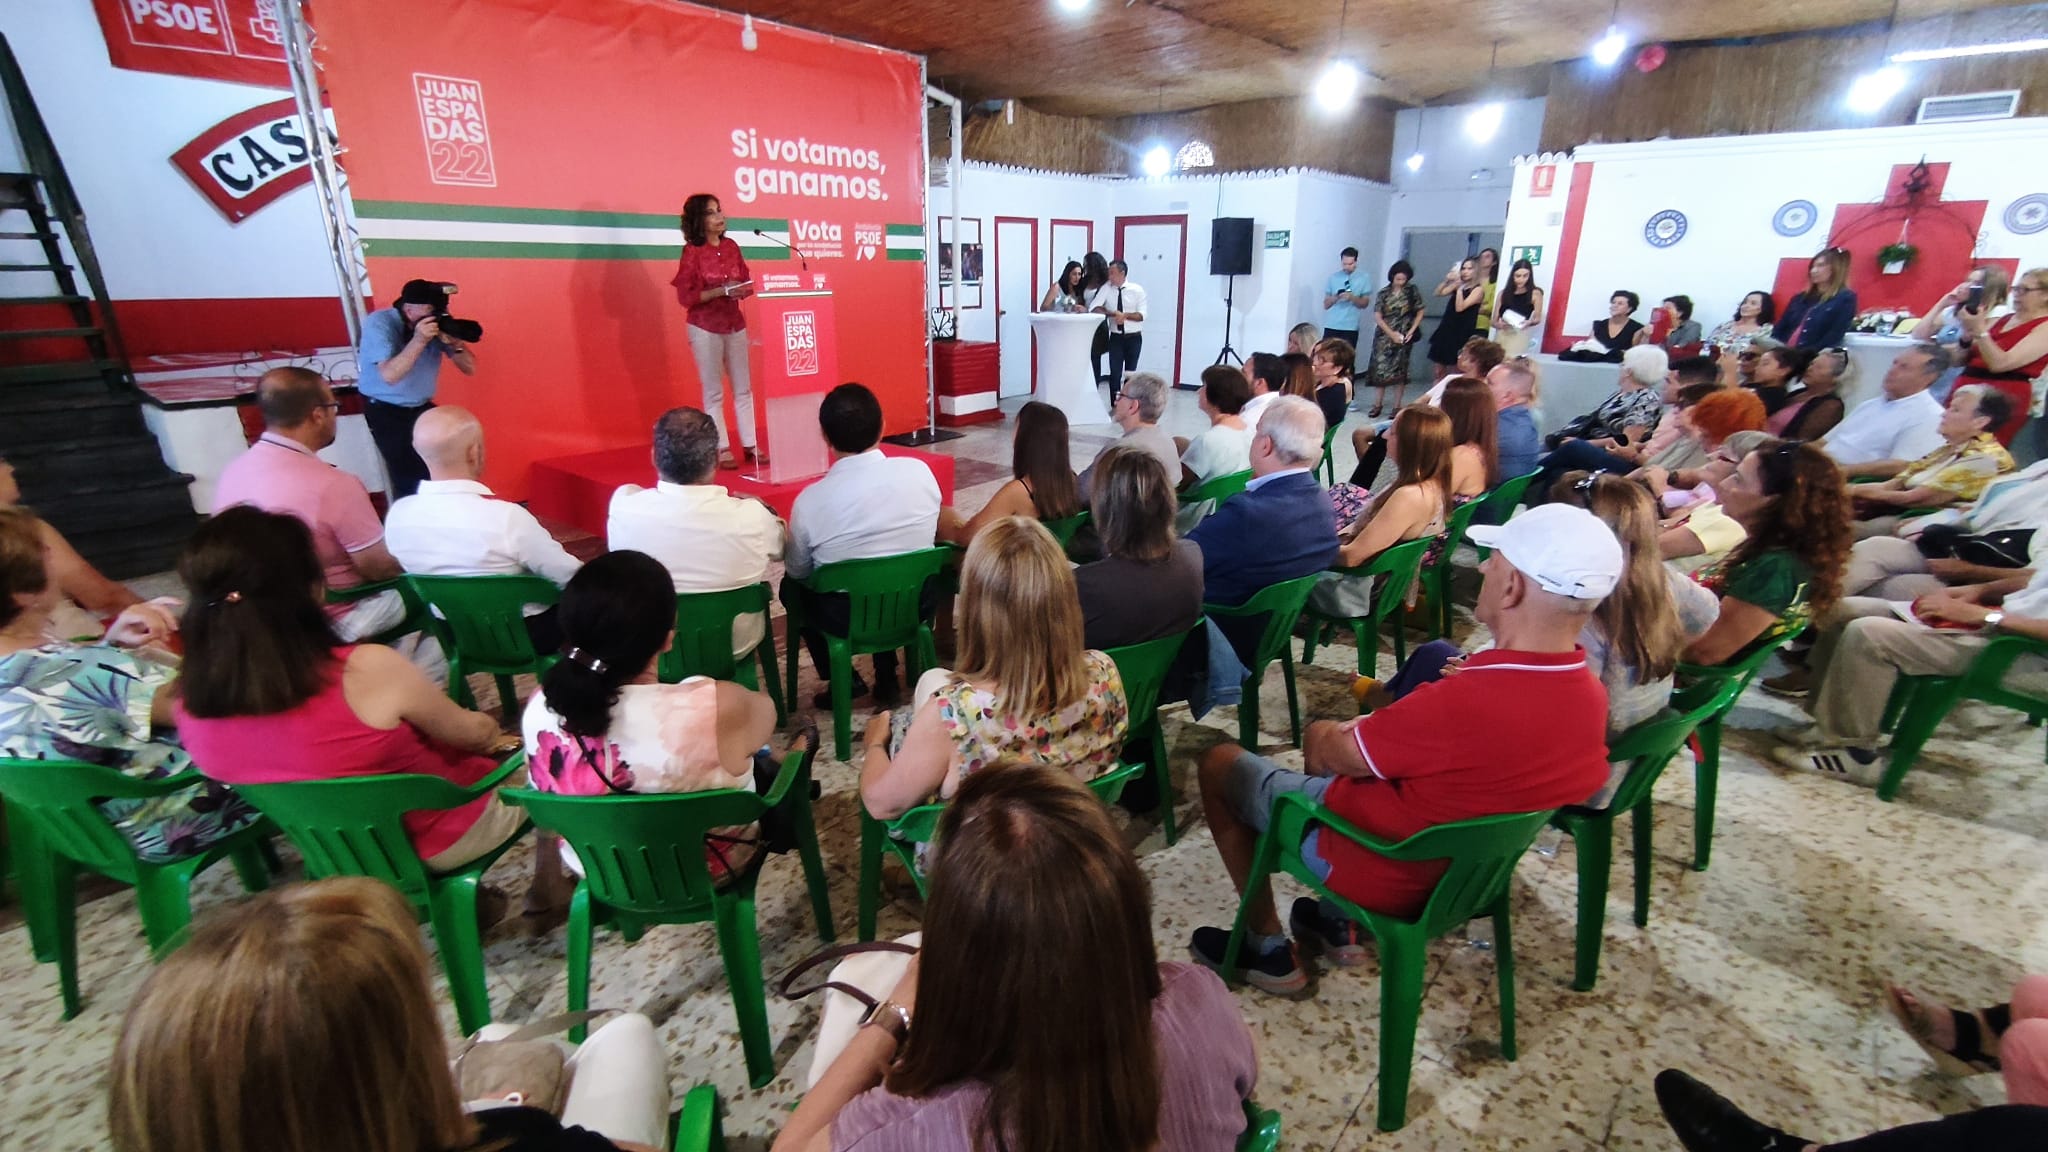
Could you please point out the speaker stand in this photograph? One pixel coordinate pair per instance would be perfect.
(1229, 300)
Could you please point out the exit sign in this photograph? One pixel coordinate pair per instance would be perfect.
(1279, 239)
(1533, 254)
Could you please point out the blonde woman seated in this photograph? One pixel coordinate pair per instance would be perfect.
(1694, 524)
(1414, 508)
(1043, 484)
(1025, 688)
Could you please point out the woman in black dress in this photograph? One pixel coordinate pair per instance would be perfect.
(1467, 290)
(1094, 274)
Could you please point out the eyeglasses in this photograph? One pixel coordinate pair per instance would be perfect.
(2030, 288)
(334, 404)
(1584, 488)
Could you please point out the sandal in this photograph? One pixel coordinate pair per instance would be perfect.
(1967, 1057)
(726, 459)
(757, 457)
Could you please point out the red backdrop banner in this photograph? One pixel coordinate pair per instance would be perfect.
(238, 40)
(537, 154)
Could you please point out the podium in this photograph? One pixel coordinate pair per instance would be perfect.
(795, 362)
(1066, 377)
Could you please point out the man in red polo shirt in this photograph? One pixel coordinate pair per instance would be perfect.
(1520, 727)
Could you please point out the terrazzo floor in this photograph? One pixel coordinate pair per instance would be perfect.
(1763, 975)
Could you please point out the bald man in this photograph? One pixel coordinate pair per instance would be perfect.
(454, 526)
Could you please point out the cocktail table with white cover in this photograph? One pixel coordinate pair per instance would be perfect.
(1066, 376)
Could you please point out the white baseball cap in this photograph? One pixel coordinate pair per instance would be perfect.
(1565, 550)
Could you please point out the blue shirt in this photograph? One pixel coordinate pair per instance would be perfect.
(385, 336)
(1517, 445)
(1340, 314)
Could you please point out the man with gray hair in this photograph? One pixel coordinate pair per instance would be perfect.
(1137, 410)
(708, 539)
(1898, 426)
(1279, 528)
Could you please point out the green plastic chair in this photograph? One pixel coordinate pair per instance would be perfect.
(1396, 568)
(1707, 769)
(1436, 579)
(1281, 605)
(1498, 505)
(643, 863)
(1261, 1129)
(1064, 528)
(703, 643)
(1328, 464)
(56, 828)
(884, 611)
(1143, 668)
(1648, 747)
(415, 620)
(1217, 488)
(697, 1126)
(901, 836)
(350, 826)
(1482, 855)
(481, 623)
(1918, 704)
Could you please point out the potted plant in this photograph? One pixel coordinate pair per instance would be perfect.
(1893, 258)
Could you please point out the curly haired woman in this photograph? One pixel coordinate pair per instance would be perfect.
(1792, 502)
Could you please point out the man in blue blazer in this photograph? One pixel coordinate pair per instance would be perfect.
(1279, 528)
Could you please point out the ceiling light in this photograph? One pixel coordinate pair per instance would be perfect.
(1610, 47)
(1073, 5)
(1968, 50)
(1873, 90)
(1158, 161)
(1338, 86)
(1484, 121)
(1415, 162)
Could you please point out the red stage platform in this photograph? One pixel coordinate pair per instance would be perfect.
(578, 489)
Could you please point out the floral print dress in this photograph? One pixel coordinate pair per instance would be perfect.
(1084, 738)
(92, 703)
(1398, 307)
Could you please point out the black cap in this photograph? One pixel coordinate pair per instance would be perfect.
(424, 292)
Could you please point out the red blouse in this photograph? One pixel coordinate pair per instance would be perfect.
(705, 266)
(2006, 335)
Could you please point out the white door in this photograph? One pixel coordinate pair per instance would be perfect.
(1071, 240)
(1016, 295)
(1155, 254)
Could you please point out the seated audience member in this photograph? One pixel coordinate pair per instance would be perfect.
(1813, 410)
(1794, 511)
(708, 539)
(1820, 316)
(1301, 375)
(107, 703)
(1025, 687)
(1752, 319)
(1955, 473)
(215, 1055)
(2010, 352)
(1898, 424)
(1303, 338)
(1332, 363)
(2011, 1037)
(1985, 541)
(1043, 1017)
(1424, 761)
(1279, 528)
(1772, 374)
(1475, 438)
(269, 695)
(1267, 375)
(1042, 483)
(1623, 419)
(282, 473)
(87, 596)
(1708, 416)
(1672, 437)
(1694, 524)
(603, 722)
(454, 526)
(867, 505)
(1476, 359)
(1992, 285)
(1517, 444)
(1137, 411)
(1705, 1121)
(1225, 447)
(1147, 584)
(1415, 507)
(1619, 332)
(1682, 333)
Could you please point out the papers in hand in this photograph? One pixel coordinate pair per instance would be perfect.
(1903, 609)
(1512, 318)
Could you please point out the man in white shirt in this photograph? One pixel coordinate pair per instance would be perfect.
(1137, 412)
(1899, 425)
(454, 526)
(1124, 303)
(708, 539)
(866, 505)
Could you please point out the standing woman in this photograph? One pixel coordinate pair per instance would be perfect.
(1094, 274)
(710, 282)
(1068, 289)
(1819, 317)
(2007, 353)
(1467, 290)
(1397, 313)
(1489, 272)
(1522, 297)
(1752, 319)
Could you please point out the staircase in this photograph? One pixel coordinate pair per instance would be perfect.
(70, 414)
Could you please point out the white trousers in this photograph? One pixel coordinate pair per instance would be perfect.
(719, 356)
(617, 1080)
(374, 614)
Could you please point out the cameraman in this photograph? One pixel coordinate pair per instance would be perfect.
(402, 350)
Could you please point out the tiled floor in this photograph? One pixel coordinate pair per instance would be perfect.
(1761, 975)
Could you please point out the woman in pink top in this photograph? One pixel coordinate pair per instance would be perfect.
(710, 282)
(270, 696)
(1037, 1017)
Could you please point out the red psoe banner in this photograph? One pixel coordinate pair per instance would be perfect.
(236, 40)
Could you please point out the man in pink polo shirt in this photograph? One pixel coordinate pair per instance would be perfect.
(1520, 727)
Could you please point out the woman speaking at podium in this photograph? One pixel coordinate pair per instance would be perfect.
(710, 282)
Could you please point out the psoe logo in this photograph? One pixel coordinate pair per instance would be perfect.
(800, 343)
(867, 241)
(457, 136)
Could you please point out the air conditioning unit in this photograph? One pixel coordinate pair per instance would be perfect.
(1974, 106)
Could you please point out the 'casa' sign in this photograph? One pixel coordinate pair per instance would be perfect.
(249, 159)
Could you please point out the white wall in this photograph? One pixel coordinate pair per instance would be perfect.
(1332, 214)
(1444, 194)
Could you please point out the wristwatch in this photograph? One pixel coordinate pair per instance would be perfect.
(890, 1017)
(1992, 620)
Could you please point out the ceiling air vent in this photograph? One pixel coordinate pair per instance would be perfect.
(1975, 106)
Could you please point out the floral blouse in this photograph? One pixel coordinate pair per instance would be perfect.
(92, 703)
(1085, 737)
(1959, 470)
(1641, 408)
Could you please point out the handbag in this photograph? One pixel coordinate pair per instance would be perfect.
(863, 974)
(519, 1067)
(2008, 549)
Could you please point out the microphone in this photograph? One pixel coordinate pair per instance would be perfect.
(801, 259)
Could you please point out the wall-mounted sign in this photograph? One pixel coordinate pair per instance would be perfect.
(1542, 179)
(2027, 215)
(1665, 228)
(1279, 239)
(249, 159)
(235, 40)
(1795, 218)
(1533, 253)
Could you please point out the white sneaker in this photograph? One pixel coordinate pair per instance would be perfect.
(1835, 762)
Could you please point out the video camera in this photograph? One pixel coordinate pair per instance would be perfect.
(435, 293)
(467, 331)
